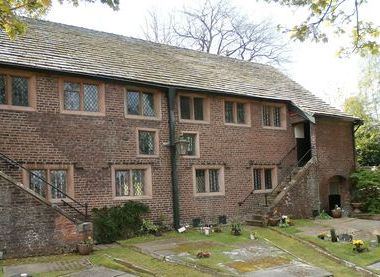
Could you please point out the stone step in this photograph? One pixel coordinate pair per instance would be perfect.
(254, 222)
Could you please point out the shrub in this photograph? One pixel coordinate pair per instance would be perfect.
(119, 222)
(148, 227)
(367, 189)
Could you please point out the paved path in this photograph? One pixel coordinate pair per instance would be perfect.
(99, 272)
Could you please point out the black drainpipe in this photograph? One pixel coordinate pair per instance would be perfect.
(173, 157)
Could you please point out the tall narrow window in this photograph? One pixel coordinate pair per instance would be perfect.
(72, 96)
(122, 183)
(192, 143)
(20, 91)
(36, 182)
(240, 113)
(140, 103)
(2, 90)
(192, 108)
(268, 178)
(138, 182)
(277, 116)
(267, 116)
(58, 179)
(229, 112)
(214, 180)
(200, 180)
(257, 179)
(91, 98)
(147, 142)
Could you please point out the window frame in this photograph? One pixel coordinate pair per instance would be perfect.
(148, 186)
(206, 108)
(247, 112)
(32, 92)
(283, 114)
(220, 169)
(82, 82)
(156, 98)
(49, 167)
(197, 145)
(274, 178)
(156, 142)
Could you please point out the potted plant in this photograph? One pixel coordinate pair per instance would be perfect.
(356, 201)
(337, 212)
(236, 228)
(359, 246)
(86, 246)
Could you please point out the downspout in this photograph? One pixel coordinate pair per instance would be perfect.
(173, 157)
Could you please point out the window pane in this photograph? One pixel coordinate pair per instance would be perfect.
(200, 180)
(58, 178)
(148, 104)
(2, 90)
(268, 178)
(138, 182)
(122, 183)
(198, 108)
(20, 91)
(35, 182)
(229, 112)
(214, 180)
(72, 96)
(240, 113)
(91, 98)
(133, 105)
(185, 107)
(191, 147)
(266, 116)
(257, 179)
(146, 142)
(277, 116)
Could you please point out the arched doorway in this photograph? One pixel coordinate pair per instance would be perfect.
(336, 188)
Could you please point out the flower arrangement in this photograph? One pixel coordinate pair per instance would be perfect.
(359, 246)
(85, 246)
(285, 221)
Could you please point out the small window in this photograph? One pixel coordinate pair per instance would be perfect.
(84, 97)
(59, 177)
(147, 142)
(141, 103)
(131, 182)
(15, 91)
(193, 144)
(273, 116)
(263, 178)
(208, 181)
(236, 113)
(192, 108)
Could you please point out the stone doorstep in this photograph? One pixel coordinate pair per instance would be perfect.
(45, 267)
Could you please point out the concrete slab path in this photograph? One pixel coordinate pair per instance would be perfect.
(100, 272)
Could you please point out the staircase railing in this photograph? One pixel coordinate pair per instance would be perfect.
(288, 173)
(84, 214)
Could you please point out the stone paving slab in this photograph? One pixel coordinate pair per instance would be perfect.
(100, 272)
(45, 267)
(294, 269)
(375, 266)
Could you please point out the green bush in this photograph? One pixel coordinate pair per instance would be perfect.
(120, 222)
(367, 189)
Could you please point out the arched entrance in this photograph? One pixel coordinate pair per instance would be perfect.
(336, 187)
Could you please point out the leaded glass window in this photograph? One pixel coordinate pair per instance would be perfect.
(240, 111)
(36, 182)
(200, 180)
(71, 96)
(185, 107)
(267, 116)
(140, 103)
(257, 179)
(3, 97)
(229, 112)
(138, 182)
(268, 178)
(20, 96)
(122, 187)
(214, 180)
(277, 116)
(192, 144)
(58, 178)
(147, 142)
(198, 108)
(91, 98)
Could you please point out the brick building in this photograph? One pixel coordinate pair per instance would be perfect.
(98, 116)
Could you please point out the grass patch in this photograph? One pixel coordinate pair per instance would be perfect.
(306, 253)
(40, 259)
(298, 223)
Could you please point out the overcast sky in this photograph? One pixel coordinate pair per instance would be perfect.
(314, 66)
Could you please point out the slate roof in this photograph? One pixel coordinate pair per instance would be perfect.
(59, 47)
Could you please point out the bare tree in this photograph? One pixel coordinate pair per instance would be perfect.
(219, 28)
